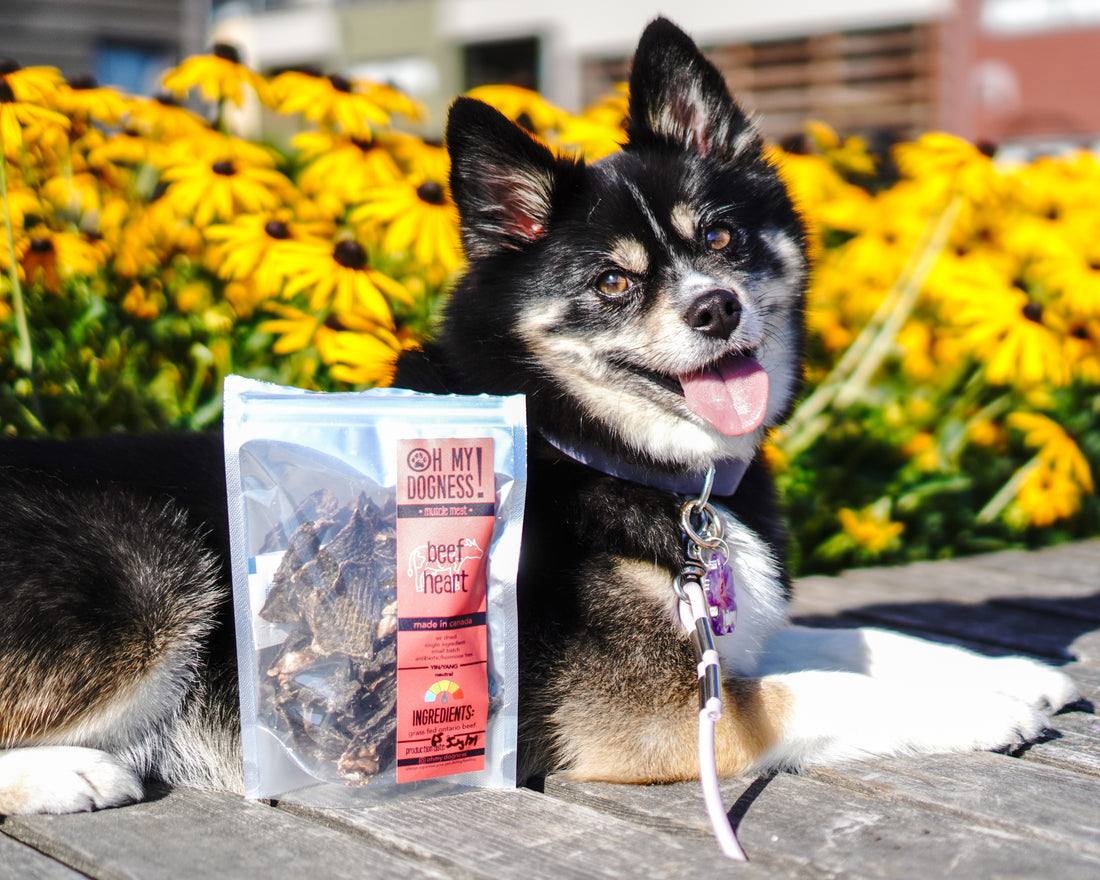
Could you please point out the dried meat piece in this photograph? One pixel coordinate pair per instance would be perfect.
(334, 682)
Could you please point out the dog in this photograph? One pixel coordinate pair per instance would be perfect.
(650, 307)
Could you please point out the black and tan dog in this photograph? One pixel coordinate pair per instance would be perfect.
(650, 307)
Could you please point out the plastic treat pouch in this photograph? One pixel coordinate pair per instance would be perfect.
(375, 539)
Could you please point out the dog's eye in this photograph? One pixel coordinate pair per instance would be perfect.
(613, 284)
(718, 237)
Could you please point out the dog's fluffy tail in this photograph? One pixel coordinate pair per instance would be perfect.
(108, 602)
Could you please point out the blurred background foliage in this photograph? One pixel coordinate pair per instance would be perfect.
(148, 251)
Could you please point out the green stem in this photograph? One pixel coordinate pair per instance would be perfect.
(1008, 491)
(854, 370)
(24, 353)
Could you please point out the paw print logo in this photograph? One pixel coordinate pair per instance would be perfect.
(419, 460)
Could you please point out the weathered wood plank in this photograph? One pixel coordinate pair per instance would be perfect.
(802, 826)
(204, 834)
(1075, 745)
(995, 791)
(1070, 562)
(20, 862)
(960, 600)
(526, 835)
(956, 580)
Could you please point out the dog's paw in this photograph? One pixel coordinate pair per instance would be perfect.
(64, 779)
(1033, 682)
(979, 720)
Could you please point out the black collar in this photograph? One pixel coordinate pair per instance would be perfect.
(727, 472)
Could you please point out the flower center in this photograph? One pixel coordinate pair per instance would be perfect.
(224, 168)
(276, 229)
(340, 83)
(350, 255)
(431, 192)
(227, 52)
(41, 246)
(83, 81)
(1033, 311)
(7, 96)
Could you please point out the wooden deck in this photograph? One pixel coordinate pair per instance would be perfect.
(1035, 814)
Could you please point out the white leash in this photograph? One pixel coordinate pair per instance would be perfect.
(696, 616)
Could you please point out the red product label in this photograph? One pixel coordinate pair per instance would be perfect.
(445, 507)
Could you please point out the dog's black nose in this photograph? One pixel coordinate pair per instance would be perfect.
(715, 313)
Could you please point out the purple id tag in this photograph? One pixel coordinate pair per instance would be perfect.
(718, 587)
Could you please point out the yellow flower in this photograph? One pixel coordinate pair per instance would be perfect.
(296, 329)
(232, 178)
(363, 354)
(1046, 496)
(242, 248)
(336, 276)
(82, 97)
(342, 170)
(871, 527)
(20, 203)
(163, 119)
(944, 165)
(923, 451)
(522, 106)
(1055, 446)
(23, 92)
(146, 301)
(850, 156)
(219, 77)
(338, 104)
(420, 219)
(50, 257)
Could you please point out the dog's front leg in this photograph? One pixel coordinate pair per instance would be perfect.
(907, 660)
(787, 720)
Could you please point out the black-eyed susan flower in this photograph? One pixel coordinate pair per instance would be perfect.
(601, 128)
(164, 120)
(418, 218)
(219, 76)
(228, 178)
(295, 328)
(49, 257)
(523, 106)
(1052, 485)
(341, 170)
(358, 350)
(241, 248)
(25, 96)
(81, 97)
(1012, 336)
(336, 277)
(335, 102)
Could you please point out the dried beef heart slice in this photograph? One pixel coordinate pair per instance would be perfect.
(335, 682)
(319, 507)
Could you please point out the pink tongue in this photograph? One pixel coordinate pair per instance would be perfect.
(732, 395)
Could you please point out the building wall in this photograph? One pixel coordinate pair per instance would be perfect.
(1038, 87)
(132, 38)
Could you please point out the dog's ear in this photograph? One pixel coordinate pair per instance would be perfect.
(679, 98)
(503, 181)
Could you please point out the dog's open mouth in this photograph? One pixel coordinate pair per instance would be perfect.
(731, 394)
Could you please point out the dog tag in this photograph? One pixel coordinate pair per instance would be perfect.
(718, 586)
